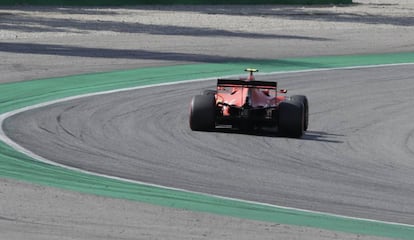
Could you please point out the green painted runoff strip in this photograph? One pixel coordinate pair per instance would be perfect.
(18, 166)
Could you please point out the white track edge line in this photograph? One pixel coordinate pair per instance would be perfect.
(19, 148)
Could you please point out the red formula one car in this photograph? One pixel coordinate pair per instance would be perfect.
(248, 104)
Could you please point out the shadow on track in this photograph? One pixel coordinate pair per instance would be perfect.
(93, 52)
(319, 136)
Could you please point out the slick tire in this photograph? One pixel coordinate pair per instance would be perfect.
(304, 100)
(291, 118)
(203, 112)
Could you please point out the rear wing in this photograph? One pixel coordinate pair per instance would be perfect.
(248, 84)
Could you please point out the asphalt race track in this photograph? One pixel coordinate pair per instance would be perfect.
(355, 160)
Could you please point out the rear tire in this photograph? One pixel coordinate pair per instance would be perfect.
(304, 100)
(291, 118)
(203, 112)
